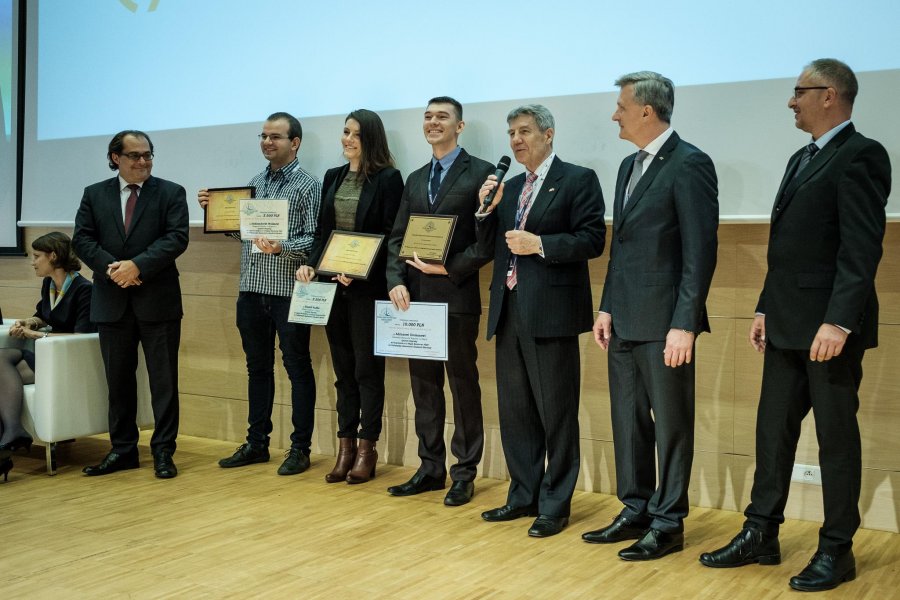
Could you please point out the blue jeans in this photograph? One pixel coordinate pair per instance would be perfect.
(259, 318)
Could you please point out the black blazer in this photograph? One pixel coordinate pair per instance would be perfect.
(73, 312)
(663, 252)
(375, 213)
(158, 235)
(458, 196)
(825, 243)
(554, 292)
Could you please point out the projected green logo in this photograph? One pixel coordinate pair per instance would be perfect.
(133, 6)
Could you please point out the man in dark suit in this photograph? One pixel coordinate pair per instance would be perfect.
(541, 237)
(661, 263)
(447, 185)
(816, 316)
(129, 230)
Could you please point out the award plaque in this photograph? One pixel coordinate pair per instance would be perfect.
(429, 237)
(349, 253)
(223, 212)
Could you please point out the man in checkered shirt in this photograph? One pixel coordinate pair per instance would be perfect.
(266, 286)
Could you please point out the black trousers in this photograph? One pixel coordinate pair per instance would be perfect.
(538, 387)
(118, 345)
(359, 374)
(652, 408)
(427, 379)
(791, 386)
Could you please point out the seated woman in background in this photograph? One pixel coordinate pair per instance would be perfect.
(362, 195)
(64, 308)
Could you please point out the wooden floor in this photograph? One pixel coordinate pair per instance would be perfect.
(246, 533)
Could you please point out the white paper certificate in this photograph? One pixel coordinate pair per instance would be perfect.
(264, 217)
(311, 302)
(420, 332)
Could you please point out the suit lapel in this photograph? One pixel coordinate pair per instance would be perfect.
(510, 203)
(621, 183)
(545, 196)
(145, 198)
(459, 166)
(114, 198)
(818, 162)
(653, 169)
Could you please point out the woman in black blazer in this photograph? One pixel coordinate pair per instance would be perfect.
(64, 307)
(363, 196)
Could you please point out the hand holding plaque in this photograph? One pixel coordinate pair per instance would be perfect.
(349, 253)
(222, 213)
(428, 236)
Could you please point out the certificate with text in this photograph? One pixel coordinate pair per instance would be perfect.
(311, 302)
(264, 217)
(223, 209)
(420, 332)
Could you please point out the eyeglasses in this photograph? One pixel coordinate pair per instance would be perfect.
(798, 91)
(275, 137)
(136, 156)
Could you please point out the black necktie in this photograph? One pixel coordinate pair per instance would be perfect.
(436, 181)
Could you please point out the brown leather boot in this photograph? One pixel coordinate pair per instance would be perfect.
(345, 457)
(364, 467)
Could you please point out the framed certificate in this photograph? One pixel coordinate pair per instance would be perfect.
(350, 253)
(429, 237)
(420, 332)
(223, 212)
(264, 217)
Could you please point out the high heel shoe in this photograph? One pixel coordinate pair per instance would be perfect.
(346, 456)
(364, 467)
(5, 467)
(18, 443)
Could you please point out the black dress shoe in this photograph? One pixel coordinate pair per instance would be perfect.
(163, 465)
(114, 462)
(619, 530)
(825, 572)
(459, 493)
(418, 484)
(295, 462)
(246, 454)
(751, 545)
(508, 513)
(655, 544)
(545, 526)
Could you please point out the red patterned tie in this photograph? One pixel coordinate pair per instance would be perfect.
(521, 216)
(129, 204)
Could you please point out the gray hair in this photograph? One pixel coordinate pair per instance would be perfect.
(653, 89)
(542, 116)
(837, 75)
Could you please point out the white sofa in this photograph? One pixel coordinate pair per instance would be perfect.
(69, 397)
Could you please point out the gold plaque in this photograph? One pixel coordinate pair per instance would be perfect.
(223, 212)
(429, 237)
(350, 253)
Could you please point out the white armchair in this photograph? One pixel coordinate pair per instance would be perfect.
(69, 397)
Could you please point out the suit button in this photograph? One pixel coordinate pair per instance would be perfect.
(621, 239)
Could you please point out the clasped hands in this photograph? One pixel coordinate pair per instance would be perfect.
(124, 273)
(26, 329)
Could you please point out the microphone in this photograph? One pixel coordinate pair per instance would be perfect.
(500, 173)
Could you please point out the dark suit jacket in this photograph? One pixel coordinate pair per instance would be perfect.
(825, 243)
(554, 292)
(458, 196)
(72, 314)
(375, 213)
(663, 252)
(158, 235)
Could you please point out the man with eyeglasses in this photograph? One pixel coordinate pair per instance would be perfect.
(129, 230)
(266, 286)
(816, 316)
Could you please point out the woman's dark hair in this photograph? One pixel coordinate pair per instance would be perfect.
(60, 244)
(375, 153)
